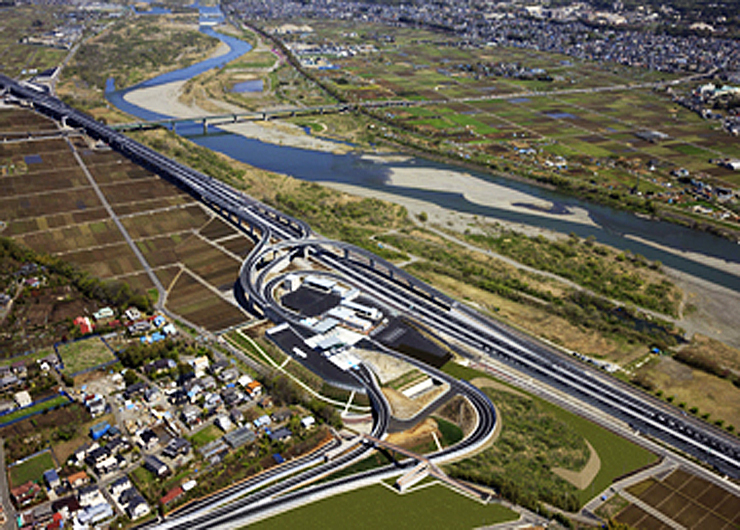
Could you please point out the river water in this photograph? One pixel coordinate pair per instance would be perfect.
(608, 226)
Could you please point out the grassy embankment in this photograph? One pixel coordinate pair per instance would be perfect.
(537, 436)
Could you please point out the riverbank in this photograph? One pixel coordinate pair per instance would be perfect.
(167, 99)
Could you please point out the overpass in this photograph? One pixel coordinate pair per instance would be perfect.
(425, 468)
(260, 115)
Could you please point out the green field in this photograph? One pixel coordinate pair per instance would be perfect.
(31, 357)
(527, 469)
(377, 506)
(32, 469)
(54, 402)
(84, 354)
(206, 435)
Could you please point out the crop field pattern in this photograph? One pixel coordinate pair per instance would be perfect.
(686, 499)
(50, 205)
(486, 105)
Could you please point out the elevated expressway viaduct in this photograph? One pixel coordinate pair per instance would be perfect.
(281, 237)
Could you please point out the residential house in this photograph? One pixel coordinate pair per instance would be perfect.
(23, 398)
(159, 366)
(280, 435)
(207, 382)
(67, 506)
(176, 447)
(233, 396)
(20, 369)
(151, 394)
(51, 477)
(84, 324)
(213, 402)
(237, 416)
(200, 365)
(137, 507)
(78, 479)
(308, 422)
(89, 496)
(95, 406)
(193, 389)
(172, 496)
(219, 366)
(244, 380)
(230, 374)
(103, 313)
(119, 486)
(254, 390)
(156, 466)
(132, 313)
(118, 445)
(149, 439)
(94, 514)
(179, 397)
(281, 415)
(25, 494)
(8, 381)
(224, 423)
(135, 390)
(140, 326)
(191, 415)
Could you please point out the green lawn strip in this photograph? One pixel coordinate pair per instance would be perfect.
(32, 469)
(206, 435)
(26, 359)
(20, 413)
(451, 433)
(618, 456)
(377, 506)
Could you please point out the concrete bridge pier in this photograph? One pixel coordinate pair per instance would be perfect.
(205, 126)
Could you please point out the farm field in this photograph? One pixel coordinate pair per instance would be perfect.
(84, 354)
(429, 506)
(686, 499)
(32, 469)
(515, 111)
(51, 207)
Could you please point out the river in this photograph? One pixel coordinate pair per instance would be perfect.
(622, 230)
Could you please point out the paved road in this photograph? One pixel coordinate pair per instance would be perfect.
(5, 491)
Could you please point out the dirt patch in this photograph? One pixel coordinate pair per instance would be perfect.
(401, 406)
(676, 371)
(460, 412)
(387, 368)
(422, 432)
(581, 479)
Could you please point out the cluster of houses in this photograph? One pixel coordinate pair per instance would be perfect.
(211, 389)
(136, 324)
(76, 502)
(705, 98)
